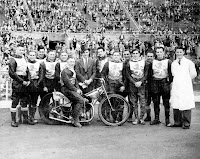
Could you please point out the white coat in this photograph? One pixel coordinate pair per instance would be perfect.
(182, 95)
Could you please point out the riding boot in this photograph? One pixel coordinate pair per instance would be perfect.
(76, 115)
(13, 117)
(26, 119)
(167, 120)
(156, 121)
(32, 111)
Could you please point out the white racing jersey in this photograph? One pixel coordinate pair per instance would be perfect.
(50, 69)
(137, 68)
(34, 69)
(21, 66)
(160, 69)
(115, 70)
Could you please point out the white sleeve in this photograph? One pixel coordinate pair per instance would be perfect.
(192, 70)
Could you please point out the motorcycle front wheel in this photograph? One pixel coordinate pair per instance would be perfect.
(114, 110)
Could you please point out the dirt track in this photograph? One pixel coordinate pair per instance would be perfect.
(99, 141)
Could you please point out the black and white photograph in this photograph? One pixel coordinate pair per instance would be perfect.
(99, 79)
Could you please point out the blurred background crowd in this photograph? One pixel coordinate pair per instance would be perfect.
(166, 22)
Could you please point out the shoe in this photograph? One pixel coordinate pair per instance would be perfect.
(155, 122)
(167, 123)
(77, 124)
(185, 127)
(176, 125)
(29, 122)
(135, 122)
(147, 119)
(14, 124)
(142, 122)
(129, 120)
(35, 121)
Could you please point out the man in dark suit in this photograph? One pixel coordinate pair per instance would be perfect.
(86, 71)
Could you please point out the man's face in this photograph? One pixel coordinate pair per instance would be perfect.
(32, 56)
(127, 55)
(179, 53)
(41, 53)
(20, 51)
(135, 54)
(51, 56)
(116, 56)
(71, 62)
(150, 56)
(160, 53)
(101, 53)
(86, 54)
(63, 56)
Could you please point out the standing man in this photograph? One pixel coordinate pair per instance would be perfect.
(100, 62)
(35, 87)
(86, 71)
(136, 72)
(161, 77)
(149, 58)
(182, 96)
(18, 71)
(127, 58)
(49, 65)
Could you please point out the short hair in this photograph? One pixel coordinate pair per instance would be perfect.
(136, 50)
(150, 51)
(160, 48)
(31, 51)
(116, 52)
(179, 47)
(101, 48)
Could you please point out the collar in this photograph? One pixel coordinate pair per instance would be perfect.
(32, 61)
(102, 58)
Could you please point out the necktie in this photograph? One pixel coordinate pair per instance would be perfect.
(179, 61)
(86, 63)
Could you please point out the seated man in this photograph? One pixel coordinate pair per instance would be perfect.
(71, 90)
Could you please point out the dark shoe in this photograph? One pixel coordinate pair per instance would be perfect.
(130, 120)
(14, 124)
(176, 125)
(155, 122)
(147, 118)
(28, 121)
(185, 127)
(77, 124)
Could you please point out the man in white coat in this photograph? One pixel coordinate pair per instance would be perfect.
(182, 96)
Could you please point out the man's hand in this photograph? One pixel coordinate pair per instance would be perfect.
(122, 88)
(138, 84)
(45, 89)
(79, 91)
(88, 81)
(26, 83)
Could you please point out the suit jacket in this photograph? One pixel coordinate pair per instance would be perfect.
(86, 73)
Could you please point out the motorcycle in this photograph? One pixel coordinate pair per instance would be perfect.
(113, 109)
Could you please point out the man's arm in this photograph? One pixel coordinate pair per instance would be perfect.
(66, 80)
(78, 72)
(12, 71)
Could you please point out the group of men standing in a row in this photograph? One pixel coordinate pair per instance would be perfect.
(138, 78)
